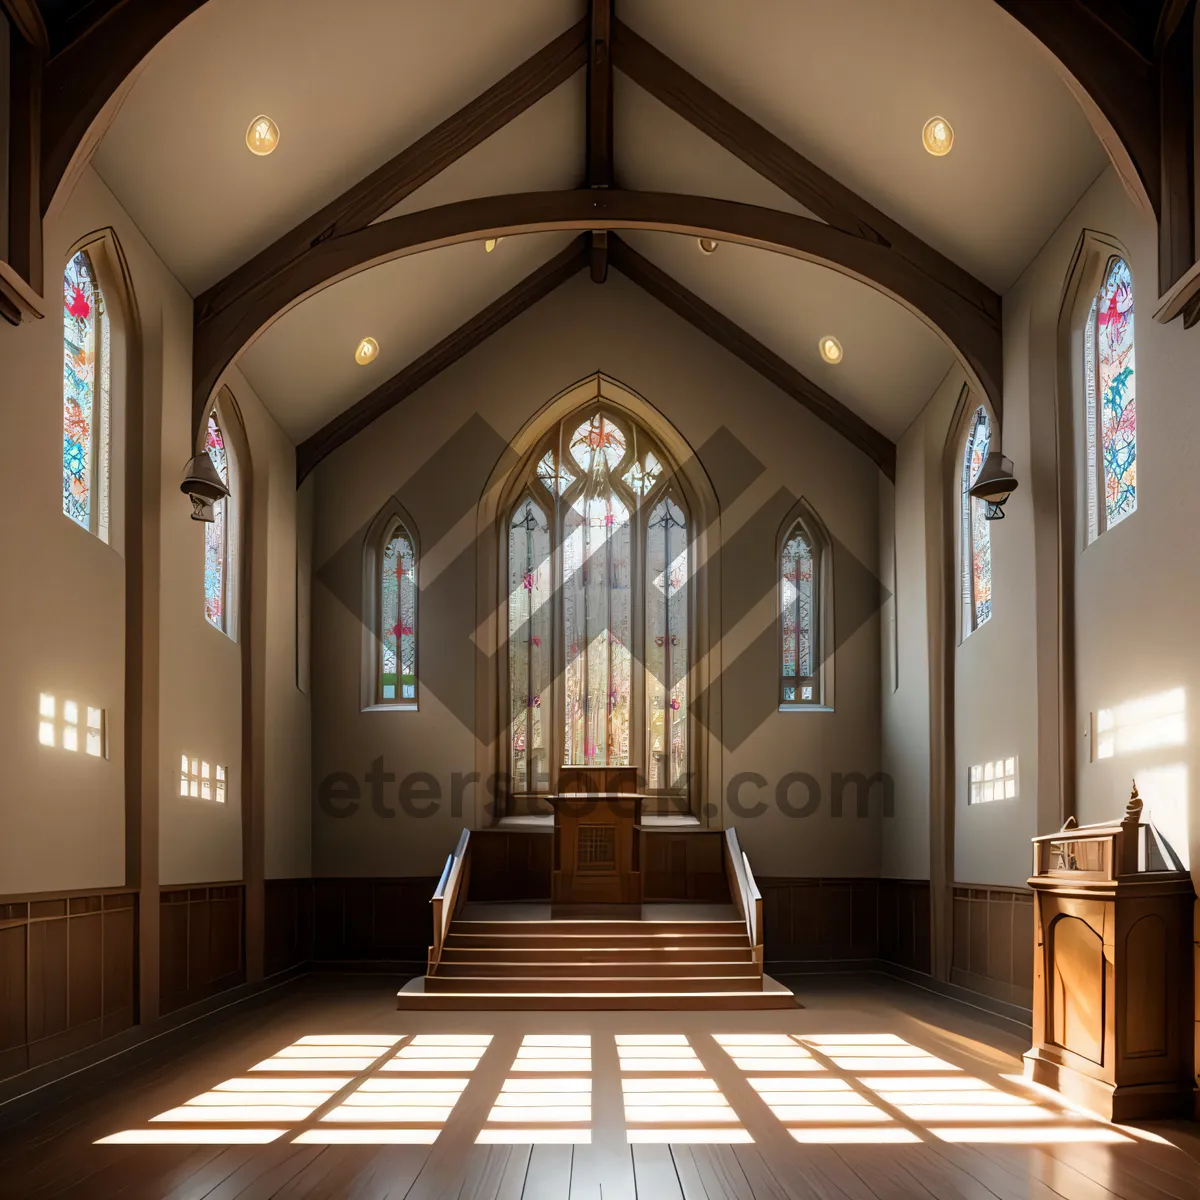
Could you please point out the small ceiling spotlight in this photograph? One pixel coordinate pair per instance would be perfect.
(831, 349)
(367, 352)
(263, 136)
(492, 243)
(937, 136)
(707, 245)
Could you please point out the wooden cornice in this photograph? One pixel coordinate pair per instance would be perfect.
(787, 169)
(420, 371)
(753, 353)
(971, 330)
(384, 188)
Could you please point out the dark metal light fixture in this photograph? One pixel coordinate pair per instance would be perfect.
(203, 486)
(994, 484)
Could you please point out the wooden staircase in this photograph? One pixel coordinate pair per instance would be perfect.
(593, 964)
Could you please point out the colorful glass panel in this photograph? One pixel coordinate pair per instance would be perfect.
(797, 603)
(216, 536)
(1111, 387)
(86, 378)
(976, 538)
(667, 645)
(398, 619)
(529, 646)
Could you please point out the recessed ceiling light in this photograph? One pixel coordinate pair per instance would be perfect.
(263, 135)
(938, 136)
(831, 349)
(367, 352)
(492, 243)
(707, 245)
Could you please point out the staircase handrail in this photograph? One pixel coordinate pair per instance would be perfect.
(447, 896)
(743, 889)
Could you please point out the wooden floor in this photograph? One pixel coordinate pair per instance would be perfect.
(322, 1089)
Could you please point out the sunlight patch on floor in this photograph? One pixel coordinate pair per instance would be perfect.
(547, 1096)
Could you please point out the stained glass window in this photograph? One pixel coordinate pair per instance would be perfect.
(1111, 385)
(975, 537)
(218, 590)
(530, 643)
(666, 644)
(86, 398)
(799, 677)
(398, 618)
(598, 565)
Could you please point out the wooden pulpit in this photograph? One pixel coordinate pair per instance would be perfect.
(596, 861)
(1112, 988)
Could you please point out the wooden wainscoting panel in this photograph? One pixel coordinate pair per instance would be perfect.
(66, 974)
(993, 942)
(683, 866)
(372, 920)
(202, 942)
(819, 920)
(511, 864)
(288, 922)
(904, 937)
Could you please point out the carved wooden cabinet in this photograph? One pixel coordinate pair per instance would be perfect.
(1112, 989)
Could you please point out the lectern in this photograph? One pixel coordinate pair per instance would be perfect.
(596, 860)
(1112, 987)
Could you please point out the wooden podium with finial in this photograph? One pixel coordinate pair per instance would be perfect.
(1112, 988)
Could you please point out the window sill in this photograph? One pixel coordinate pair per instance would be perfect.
(400, 706)
(820, 708)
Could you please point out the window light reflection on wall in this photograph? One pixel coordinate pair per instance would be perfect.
(993, 781)
(1143, 724)
(63, 727)
(201, 781)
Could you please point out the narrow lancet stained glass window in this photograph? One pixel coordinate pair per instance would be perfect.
(86, 398)
(398, 618)
(666, 643)
(530, 645)
(217, 536)
(1111, 417)
(798, 612)
(597, 616)
(975, 536)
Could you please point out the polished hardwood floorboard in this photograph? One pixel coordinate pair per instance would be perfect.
(874, 1089)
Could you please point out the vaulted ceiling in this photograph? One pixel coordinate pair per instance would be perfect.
(848, 83)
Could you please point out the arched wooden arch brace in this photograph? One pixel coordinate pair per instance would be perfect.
(968, 321)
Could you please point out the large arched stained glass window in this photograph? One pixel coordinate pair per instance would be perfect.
(1111, 418)
(975, 540)
(218, 537)
(87, 378)
(598, 566)
(398, 617)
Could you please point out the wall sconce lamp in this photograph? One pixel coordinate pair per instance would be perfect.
(203, 486)
(994, 484)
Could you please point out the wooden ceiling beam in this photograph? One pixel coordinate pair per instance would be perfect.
(786, 168)
(80, 78)
(753, 353)
(600, 96)
(971, 330)
(534, 287)
(384, 188)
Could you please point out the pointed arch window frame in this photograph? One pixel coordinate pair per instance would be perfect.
(1097, 519)
(803, 518)
(974, 531)
(393, 518)
(555, 483)
(89, 370)
(228, 517)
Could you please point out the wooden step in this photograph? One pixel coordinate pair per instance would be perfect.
(641, 928)
(499, 985)
(597, 954)
(496, 968)
(593, 1001)
(596, 941)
